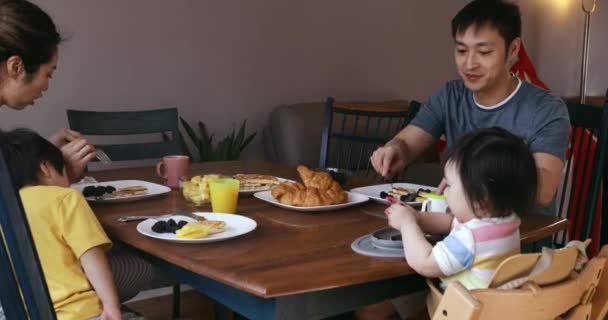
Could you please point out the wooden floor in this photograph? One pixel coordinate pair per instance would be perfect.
(194, 306)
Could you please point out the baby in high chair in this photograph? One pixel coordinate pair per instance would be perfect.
(491, 179)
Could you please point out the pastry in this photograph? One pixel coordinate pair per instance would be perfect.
(215, 226)
(319, 189)
(256, 181)
(131, 191)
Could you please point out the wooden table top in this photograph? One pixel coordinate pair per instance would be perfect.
(288, 253)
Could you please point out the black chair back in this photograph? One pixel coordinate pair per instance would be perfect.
(23, 290)
(163, 121)
(351, 132)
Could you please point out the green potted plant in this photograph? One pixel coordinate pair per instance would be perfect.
(228, 148)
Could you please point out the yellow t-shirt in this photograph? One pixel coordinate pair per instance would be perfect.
(64, 227)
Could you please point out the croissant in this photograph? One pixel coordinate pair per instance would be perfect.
(319, 180)
(296, 194)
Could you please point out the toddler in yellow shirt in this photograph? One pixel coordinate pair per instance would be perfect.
(69, 240)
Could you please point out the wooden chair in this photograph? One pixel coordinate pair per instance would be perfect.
(23, 290)
(580, 196)
(351, 132)
(163, 121)
(553, 291)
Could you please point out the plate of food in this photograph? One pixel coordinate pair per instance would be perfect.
(317, 192)
(351, 199)
(210, 227)
(120, 190)
(406, 192)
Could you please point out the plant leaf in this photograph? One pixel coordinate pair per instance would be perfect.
(248, 140)
(206, 142)
(183, 145)
(191, 133)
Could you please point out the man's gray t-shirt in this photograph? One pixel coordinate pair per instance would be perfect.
(532, 113)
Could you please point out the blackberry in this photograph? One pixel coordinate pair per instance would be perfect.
(410, 197)
(383, 194)
(160, 227)
(169, 226)
(88, 191)
(110, 189)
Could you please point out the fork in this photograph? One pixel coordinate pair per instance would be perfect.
(102, 156)
(135, 218)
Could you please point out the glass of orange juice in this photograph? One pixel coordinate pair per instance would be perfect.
(224, 195)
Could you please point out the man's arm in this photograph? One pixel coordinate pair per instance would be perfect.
(549, 173)
(407, 146)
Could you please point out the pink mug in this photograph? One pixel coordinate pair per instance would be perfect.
(171, 168)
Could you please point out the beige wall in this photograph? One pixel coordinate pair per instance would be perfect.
(224, 61)
(553, 33)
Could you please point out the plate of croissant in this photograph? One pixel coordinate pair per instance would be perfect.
(318, 191)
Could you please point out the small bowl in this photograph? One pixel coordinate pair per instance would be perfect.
(193, 196)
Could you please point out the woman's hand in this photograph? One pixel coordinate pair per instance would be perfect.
(64, 136)
(77, 154)
(76, 151)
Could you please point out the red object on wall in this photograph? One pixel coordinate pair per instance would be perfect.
(525, 70)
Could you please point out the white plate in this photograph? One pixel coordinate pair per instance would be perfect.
(153, 190)
(236, 225)
(353, 199)
(373, 192)
(252, 191)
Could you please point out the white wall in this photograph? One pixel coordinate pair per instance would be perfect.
(553, 34)
(229, 60)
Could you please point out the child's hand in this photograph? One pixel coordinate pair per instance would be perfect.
(400, 215)
(111, 313)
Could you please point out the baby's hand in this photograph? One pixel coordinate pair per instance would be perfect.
(400, 215)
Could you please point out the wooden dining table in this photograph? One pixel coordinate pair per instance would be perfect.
(294, 265)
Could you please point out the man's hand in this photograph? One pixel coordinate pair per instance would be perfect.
(408, 145)
(388, 160)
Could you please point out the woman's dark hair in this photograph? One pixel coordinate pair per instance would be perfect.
(28, 32)
(502, 16)
(24, 150)
(497, 171)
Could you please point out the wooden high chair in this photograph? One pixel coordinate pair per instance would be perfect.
(532, 286)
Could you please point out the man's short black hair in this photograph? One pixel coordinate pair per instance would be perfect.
(502, 16)
(497, 171)
(24, 150)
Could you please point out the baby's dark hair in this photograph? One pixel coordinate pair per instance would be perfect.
(497, 171)
(503, 16)
(24, 150)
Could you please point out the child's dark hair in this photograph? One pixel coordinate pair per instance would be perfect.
(24, 150)
(502, 16)
(28, 32)
(497, 171)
